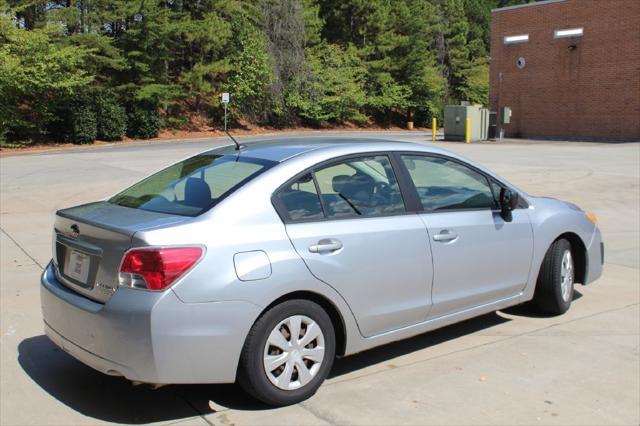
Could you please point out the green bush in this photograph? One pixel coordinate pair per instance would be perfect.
(84, 124)
(143, 121)
(111, 117)
(74, 119)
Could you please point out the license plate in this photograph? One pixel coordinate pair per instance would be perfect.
(78, 266)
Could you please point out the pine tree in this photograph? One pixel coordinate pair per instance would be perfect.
(419, 69)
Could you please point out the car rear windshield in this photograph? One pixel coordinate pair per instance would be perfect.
(192, 186)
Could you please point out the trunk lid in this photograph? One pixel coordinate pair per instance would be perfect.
(90, 240)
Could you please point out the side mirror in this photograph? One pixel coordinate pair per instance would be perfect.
(508, 202)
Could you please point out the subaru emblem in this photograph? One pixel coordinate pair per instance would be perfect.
(75, 231)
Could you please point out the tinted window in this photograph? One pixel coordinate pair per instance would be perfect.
(300, 199)
(443, 184)
(192, 186)
(364, 186)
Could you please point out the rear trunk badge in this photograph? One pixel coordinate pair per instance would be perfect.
(105, 287)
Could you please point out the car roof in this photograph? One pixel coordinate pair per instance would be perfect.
(280, 150)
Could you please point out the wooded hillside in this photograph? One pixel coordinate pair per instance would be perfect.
(77, 70)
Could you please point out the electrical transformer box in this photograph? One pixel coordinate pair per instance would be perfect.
(455, 122)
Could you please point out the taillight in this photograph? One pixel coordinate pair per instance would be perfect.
(156, 268)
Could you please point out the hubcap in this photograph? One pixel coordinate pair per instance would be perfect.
(566, 275)
(294, 352)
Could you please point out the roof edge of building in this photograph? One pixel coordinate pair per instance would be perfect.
(519, 6)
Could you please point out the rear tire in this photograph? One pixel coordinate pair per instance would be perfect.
(278, 368)
(554, 288)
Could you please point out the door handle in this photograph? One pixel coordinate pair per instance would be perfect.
(445, 235)
(326, 245)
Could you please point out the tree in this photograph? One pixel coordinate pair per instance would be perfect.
(251, 77)
(419, 68)
(286, 36)
(337, 96)
(371, 26)
(35, 72)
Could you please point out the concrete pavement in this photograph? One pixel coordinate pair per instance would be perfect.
(512, 367)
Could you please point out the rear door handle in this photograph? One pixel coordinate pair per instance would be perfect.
(445, 235)
(326, 245)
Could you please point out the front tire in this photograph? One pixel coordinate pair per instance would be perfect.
(288, 353)
(554, 288)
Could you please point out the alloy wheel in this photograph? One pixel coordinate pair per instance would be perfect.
(566, 275)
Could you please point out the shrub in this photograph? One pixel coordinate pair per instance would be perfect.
(84, 124)
(111, 117)
(74, 119)
(143, 121)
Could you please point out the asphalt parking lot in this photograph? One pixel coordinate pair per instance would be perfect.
(511, 367)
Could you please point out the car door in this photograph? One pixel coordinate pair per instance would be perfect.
(478, 258)
(348, 221)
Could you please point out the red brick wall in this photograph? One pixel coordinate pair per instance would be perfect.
(592, 91)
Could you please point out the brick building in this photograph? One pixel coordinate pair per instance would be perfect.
(568, 69)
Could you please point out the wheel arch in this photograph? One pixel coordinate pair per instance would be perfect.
(337, 320)
(579, 252)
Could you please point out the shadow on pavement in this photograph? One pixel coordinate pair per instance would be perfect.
(97, 395)
(422, 341)
(115, 399)
(531, 311)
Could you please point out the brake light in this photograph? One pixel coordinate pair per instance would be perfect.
(156, 268)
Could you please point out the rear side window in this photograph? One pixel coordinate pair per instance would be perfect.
(364, 186)
(300, 199)
(355, 187)
(192, 186)
(447, 185)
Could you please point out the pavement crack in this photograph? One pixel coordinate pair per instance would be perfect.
(21, 248)
(198, 412)
(319, 414)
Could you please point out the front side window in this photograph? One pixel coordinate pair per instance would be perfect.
(363, 186)
(448, 185)
(496, 189)
(192, 186)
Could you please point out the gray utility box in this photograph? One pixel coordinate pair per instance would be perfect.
(455, 118)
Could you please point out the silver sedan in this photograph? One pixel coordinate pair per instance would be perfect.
(262, 264)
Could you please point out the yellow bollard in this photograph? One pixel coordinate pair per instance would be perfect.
(467, 131)
(434, 124)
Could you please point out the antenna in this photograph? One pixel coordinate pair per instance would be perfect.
(238, 146)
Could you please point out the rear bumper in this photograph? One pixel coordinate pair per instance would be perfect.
(94, 361)
(146, 336)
